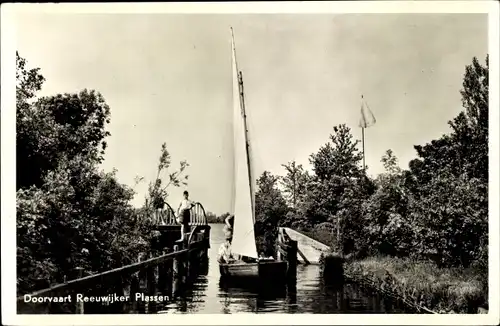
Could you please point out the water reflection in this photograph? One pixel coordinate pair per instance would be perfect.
(207, 293)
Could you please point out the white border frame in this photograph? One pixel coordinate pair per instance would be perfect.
(8, 207)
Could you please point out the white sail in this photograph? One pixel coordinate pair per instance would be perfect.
(243, 233)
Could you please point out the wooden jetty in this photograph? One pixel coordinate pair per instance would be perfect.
(163, 273)
(309, 250)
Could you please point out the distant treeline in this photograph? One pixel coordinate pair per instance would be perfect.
(437, 209)
(213, 218)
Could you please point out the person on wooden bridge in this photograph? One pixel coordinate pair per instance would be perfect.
(184, 214)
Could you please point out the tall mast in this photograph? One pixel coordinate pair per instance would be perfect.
(245, 127)
(247, 143)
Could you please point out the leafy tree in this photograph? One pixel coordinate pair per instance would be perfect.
(387, 228)
(390, 162)
(465, 149)
(445, 168)
(294, 183)
(270, 209)
(339, 157)
(157, 190)
(78, 217)
(68, 212)
(451, 220)
(336, 167)
(438, 208)
(470, 127)
(28, 82)
(51, 127)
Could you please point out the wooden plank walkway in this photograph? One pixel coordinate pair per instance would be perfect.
(309, 250)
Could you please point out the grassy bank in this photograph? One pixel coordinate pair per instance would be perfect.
(421, 283)
(418, 283)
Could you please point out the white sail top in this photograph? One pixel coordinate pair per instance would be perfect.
(243, 232)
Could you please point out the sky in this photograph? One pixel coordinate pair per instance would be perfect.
(167, 78)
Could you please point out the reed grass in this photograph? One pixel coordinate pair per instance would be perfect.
(423, 283)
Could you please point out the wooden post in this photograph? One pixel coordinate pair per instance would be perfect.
(292, 260)
(340, 243)
(163, 273)
(79, 305)
(176, 272)
(186, 263)
(205, 243)
(150, 279)
(279, 256)
(169, 277)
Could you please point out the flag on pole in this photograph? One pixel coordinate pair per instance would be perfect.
(367, 118)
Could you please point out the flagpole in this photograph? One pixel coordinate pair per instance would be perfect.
(367, 120)
(363, 133)
(363, 141)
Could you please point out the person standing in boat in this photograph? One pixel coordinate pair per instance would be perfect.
(184, 214)
(225, 255)
(228, 228)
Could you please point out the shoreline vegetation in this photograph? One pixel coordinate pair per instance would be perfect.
(212, 218)
(426, 226)
(419, 234)
(421, 285)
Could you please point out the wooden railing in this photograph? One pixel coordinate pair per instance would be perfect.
(164, 273)
(167, 216)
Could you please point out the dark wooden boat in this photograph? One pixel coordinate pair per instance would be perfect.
(272, 270)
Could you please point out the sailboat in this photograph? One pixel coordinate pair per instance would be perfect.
(244, 243)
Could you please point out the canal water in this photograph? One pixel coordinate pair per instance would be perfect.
(207, 294)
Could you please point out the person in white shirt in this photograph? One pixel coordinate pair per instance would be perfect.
(225, 255)
(184, 214)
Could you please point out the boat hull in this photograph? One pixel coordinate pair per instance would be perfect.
(262, 271)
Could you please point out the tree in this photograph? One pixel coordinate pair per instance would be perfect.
(68, 212)
(339, 187)
(78, 217)
(28, 82)
(52, 127)
(157, 190)
(339, 157)
(438, 209)
(294, 183)
(387, 228)
(390, 162)
(336, 167)
(451, 220)
(470, 128)
(270, 209)
(465, 149)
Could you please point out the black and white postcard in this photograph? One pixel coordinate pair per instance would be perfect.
(250, 163)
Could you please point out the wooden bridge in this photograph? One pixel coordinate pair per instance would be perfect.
(163, 273)
(165, 222)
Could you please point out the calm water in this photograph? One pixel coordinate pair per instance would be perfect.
(208, 295)
(311, 295)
